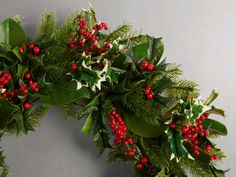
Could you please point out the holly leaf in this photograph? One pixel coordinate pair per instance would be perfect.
(88, 124)
(20, 125)
(62, 93)
(11, 33)
(6, 111)
(21, 70)
(215, 127)
(176, 142)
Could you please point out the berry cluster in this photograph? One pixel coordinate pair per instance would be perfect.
(149, 93)
(119, 130)
(31, 47)
(5, 78)
(22, 90)
(193, 132)
(87, 38)
(143, 161)
(144, 65)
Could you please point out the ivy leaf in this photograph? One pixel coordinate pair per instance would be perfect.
(11, 33)
(88, 124)
(62, 93)
(6, 111)
(215, 127)
(176, 143)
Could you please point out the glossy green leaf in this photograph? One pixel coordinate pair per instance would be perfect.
(140, 51)
(141, 128)
(6, 111)
(64, 93)
(156, 49)
(21, 70)
(88, 124)
(215, 110)
(211, 98)
(176, 143)
(215, 127)
(11, 33)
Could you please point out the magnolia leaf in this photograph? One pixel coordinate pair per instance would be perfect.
(88, 124)
(140, 51)
(62, 93)
(176, 143)
(11, 33)
(215, 110)
(6, 111)
(156, 49)
(141, 128)
(211, 98)
(90, 106)
(214, 127)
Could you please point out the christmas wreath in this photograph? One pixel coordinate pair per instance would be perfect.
(135, 102)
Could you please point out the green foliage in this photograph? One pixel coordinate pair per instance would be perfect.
(4, 171)
(11, 34)
(196, 167)
(47, 25)
(177, 147)
(215, 127)
(121, 32)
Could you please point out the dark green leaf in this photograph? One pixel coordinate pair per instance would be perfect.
(215, 127)
(141, 128)
(6, 111)
(62, 93)
(177, 146)
(90, 106)
(11, 33)
(140, 51)
(156, 49)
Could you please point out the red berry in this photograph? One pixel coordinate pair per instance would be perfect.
(215, 156)
(196, 152)
(184, 130)
(195, 142)
(31, 45)
(73, 67)
(144, 64)
(206, 132)
(150, 67)
(149, 96)
(130, 140)
(139, 166)
(173, 125)
(22, 49)
(144, 160)
(147, 90)
(27, 105)
(208, 148)
(37, 50)
(27, 75)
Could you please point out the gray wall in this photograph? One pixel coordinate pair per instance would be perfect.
(200, 35)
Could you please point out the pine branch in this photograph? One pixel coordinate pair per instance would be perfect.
(120, 32)
(4, 171)
(182, 88)
(195, 168)
(69, 25)
(69, 111)
(47, 25)
(37, 114)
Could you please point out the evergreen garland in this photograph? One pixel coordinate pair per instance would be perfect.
(135, 102)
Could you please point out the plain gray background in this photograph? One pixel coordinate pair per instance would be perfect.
(199, 35)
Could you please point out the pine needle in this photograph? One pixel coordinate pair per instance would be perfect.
(47, 24)
(120, 32)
